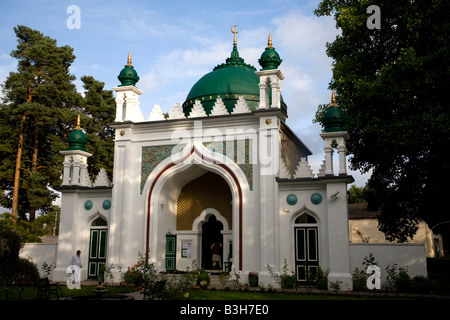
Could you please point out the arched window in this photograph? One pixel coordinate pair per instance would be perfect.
(99, 222)
(305, 218)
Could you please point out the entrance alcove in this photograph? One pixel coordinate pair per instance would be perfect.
(204, 208)
(211, 233)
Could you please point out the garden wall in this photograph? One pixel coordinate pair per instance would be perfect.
(40, 253)
(411, 255)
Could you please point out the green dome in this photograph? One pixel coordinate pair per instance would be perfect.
(77, 140)
(334, 118)
(228, 81)
(270, 59)
(128, 76)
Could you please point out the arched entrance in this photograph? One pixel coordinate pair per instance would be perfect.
(212, 244)
(164, 192)
(97, 247)
(306, 247)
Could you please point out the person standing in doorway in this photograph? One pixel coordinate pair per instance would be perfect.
(216, 254)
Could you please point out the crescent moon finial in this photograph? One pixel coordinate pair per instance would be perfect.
(234, 32)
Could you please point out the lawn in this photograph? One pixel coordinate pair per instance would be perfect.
(30, 293)
(256, 295)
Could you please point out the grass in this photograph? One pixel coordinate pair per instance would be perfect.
(256, 295)
(30, 293)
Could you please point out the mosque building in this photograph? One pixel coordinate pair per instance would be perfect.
(222, 167)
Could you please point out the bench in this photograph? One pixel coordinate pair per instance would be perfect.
(154, 292)
(46, 289)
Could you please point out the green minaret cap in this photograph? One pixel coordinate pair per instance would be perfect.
(334, 118)
(77, 139)
(128, 76)
(270, 59)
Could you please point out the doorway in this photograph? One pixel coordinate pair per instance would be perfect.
(212, 244)
(97, 248)
(306, 247)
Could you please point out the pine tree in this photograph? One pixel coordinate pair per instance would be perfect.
(99, 108)
(39, 106)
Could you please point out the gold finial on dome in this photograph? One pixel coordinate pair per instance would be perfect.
(235, 33)
(78, 123)
(129, 60)
(269, 42)
(333, 99)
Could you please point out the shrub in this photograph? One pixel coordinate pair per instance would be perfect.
(286, 279)
(322, 279)
(359, 279)
(421, 284)
(203, 278)
(142, 274)
(13, 269)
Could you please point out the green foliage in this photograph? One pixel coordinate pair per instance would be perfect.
(391, 83)
(39, 101)
(357, 194)
(286, 279)
(98, 111)
(40, 106)
(32, 231)
(141, 275)
(203, 278)
(360, 276)
(19, 271)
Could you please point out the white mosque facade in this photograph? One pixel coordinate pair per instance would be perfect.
(223, 166)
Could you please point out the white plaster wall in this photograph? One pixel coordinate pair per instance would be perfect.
(40, 253)
(411, 255)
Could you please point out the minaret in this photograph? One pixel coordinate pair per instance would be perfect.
(75, 159)
(127, 100)
(334, 136)
(270, 77)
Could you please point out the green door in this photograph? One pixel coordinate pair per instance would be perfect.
(306, 253)
(171, 250)
(97, 252)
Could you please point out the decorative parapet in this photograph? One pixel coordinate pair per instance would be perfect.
(219, 108)
(102, 179)
(156, 113)
(241, 106)
(177, 112)
(303, 169)
(197, 110)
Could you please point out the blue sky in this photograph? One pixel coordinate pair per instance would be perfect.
(174, 43)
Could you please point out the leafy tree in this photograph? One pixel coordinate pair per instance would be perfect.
(357, 194)
(39, 111)
(99, 109)
(392, 84)
(39, 105)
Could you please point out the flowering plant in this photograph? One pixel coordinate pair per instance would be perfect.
(142, 274)
(253, 274)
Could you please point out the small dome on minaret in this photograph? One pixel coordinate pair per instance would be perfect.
(128, 76)
(270, 59)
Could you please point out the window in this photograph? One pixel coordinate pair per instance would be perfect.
(99, 222)
(305, 218)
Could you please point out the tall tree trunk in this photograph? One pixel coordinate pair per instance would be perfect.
(34, 158)
(15, 200)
